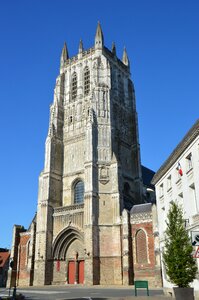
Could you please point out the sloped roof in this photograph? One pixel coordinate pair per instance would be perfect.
(174, 156)
(141, 208)
(4, 256)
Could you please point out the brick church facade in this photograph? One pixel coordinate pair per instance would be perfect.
(92, 225)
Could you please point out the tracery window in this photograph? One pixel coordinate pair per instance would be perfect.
(86, 81)
(74, 86)
(79, 192)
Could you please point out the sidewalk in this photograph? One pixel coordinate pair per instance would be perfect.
(155, 297)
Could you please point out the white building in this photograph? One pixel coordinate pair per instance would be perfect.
(178, 180)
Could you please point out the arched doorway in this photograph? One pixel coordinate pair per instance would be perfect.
(68, 250)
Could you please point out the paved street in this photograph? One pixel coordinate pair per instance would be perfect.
(79, 292)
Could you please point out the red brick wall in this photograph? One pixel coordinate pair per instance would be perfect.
(23, 244)
(23, 276)
(143, 252)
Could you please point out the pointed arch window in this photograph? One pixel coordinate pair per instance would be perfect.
(79, 192)
(86, 81)
(141, 247)
(74, 86)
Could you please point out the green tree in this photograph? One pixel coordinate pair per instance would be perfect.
(178, 258)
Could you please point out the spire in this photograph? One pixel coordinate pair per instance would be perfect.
(99, 39)
(64, 55)
(113, 48)
(125, 59)
(81, 46)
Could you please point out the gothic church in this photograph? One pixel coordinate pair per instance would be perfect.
(91, 226)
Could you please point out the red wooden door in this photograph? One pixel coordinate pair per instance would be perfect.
(71, 272)
(81, 272)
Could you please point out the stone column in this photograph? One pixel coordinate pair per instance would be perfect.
(125, 247)
(66, 270)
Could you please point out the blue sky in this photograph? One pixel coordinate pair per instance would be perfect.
(161, 38)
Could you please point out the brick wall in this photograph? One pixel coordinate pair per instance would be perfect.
(141, 247)
(144, 254)
(23, 274)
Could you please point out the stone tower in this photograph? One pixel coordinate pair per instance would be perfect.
(92, 171)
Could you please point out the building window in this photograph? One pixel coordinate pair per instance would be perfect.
(169, 183)
(86, 81)
(189, 162)
(180, 200)
(193, 200)
(79, 192)
(74, 86)
(141, 247)
(161, 190)
(179, 173)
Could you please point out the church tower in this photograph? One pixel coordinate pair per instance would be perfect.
(92, 171)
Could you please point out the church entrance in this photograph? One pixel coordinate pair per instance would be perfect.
(76, 272)
(81, 271)
(68, 246)
(71, 272)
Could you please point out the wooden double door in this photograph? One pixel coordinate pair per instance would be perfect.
(76, 272)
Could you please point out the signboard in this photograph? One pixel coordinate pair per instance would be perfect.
(195, 238)
(196, 255)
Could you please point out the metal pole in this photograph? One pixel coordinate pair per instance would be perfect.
(14, 292)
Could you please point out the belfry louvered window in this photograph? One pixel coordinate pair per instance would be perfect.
(79, 192)
(86, 81)
(74, 86)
